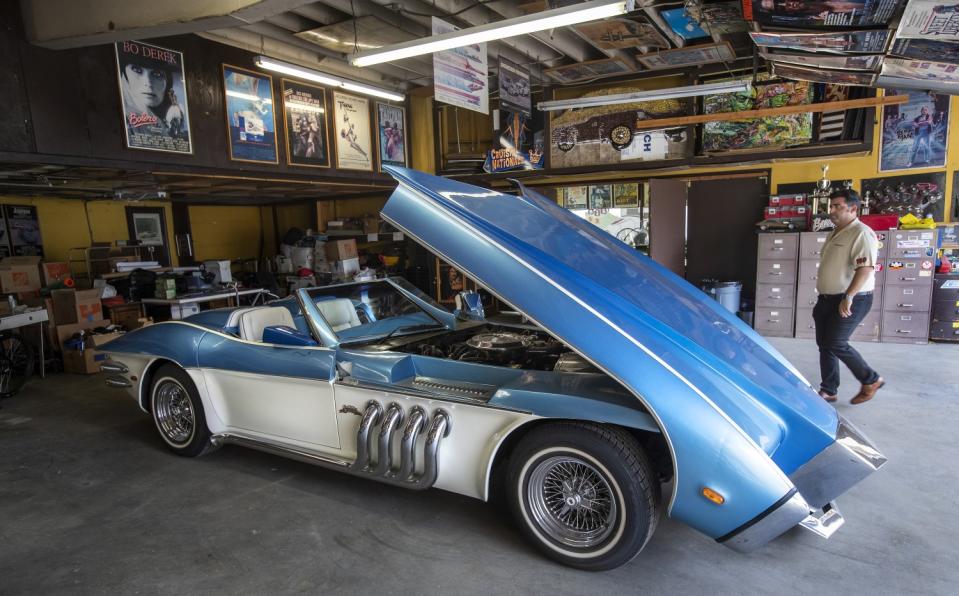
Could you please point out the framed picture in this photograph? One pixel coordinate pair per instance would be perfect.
(914, 134)
(250, 117)
(601, 196)
(592, 69)
(689, 56)
(153, 96)
(622, 33)
(575, 197)
(626, 195)
(304, 119)
(450, 281)
(354, 138)
(919, 194)
(391, 135)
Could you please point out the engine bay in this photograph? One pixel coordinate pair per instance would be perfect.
(521, 348)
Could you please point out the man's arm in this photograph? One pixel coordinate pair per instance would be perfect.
(859, 279)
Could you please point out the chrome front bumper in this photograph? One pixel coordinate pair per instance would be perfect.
(818, 482)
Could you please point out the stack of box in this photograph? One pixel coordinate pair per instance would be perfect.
(788, 209)
(343, 258)
(72, 312)
(165, 288)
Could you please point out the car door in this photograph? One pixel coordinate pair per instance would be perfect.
(278, 393)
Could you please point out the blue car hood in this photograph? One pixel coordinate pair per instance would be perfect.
(637, 321)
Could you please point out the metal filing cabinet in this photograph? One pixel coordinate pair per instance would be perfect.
(907, 290)
(776, 268)
(945, 309)
(810, 251)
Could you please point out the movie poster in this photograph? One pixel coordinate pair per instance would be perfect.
(391, 135)
(606, 135)
(575, 197)
(626, 195)
(929, 19)
(250, 115)
(153, 96)
(926, 49)
(862, 42)
(304, 109)
(354, 138)
(918, 194)
(601, 196)
(806, 15)
(914, 134)
(755, 133)
(460, 74)
(514, 88)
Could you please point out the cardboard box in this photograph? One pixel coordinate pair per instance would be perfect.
(101, 339)
(73, 306)
(126, 315)
(86, 362)
(346, 268)
(20, 274)
(65, 332)
(341, 250)
(55, 271)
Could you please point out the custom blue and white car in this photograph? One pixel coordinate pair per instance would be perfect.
(620, 393)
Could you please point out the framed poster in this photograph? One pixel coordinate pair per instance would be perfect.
(449, 282)
(514, 89)
(625, 195)
(391, 135)
(921, 70)
(591, 69)
(153, 96)
(622, 33)
(914, 134)
(810, 15)
(600, 197)
(868, 62)
(575, 197)
(304, 119)
(460, 75)
(250, 116)
(926, 49)
(354, 142)
(688, 56)
(24, 226)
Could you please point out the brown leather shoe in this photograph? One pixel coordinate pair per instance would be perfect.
(868, 391)
(827, 396)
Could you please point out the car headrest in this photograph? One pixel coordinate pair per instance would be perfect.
(255, 320)
(339, 313)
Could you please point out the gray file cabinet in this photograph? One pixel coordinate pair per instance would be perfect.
(776, 268)
(908, 285)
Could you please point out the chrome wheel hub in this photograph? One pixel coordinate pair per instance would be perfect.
(571, 501)
(174, 412)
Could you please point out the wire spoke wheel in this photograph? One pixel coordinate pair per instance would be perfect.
(174, 412)
(571, 501)
(16, 364)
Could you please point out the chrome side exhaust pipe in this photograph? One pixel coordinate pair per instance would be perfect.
(414, 426)
(384, 448)
(374, 411)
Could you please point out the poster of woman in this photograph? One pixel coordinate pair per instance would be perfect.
(304, 109)
(250, 115)
(914, 134)
(153, 96)
(391, 135)
(351, 127)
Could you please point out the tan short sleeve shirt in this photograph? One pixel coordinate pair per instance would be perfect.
(854, 246)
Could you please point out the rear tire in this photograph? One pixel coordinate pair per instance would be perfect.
(584, 494)
(177, 412)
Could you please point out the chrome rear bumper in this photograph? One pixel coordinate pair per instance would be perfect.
(848, 460)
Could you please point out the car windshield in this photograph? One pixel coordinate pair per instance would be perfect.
(371, 310)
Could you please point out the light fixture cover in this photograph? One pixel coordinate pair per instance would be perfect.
(309, 74)
(651, 95)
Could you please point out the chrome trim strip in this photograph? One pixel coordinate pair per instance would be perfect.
(770, 525)
(119, 382)
(281, 450)
(114, 367)
(838, 467)
(826, 524)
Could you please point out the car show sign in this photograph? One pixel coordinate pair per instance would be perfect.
(460, 74)
(153, 95)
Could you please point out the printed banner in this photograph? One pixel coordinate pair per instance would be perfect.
(514, 88)
(354, 137)
(153, 95)
(391, 134)
(249, 115)
(460, 74)
(805, 15)
(515, 151)
(304, 107)
(914, 134)
(929, 19)
(921, 69)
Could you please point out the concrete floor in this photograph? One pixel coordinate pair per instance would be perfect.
(90, 502)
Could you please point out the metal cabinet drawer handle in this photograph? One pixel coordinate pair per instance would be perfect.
(906, 305)
(903, 331)
(776, 273)
(779, 248)
(908, 278)
(772, 320)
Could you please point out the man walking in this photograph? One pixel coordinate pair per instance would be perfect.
(845, 284)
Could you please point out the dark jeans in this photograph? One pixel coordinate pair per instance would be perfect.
(832, 337)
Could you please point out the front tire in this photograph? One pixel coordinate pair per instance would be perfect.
(584, 494)
(178, 412)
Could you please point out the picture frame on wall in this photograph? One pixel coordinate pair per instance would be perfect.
(304, 121)
(153, 96)
(450, 281)
(391, 135)
(575, 197)
(600, 196)
(353, 132)
(250, 115)
(626, 195)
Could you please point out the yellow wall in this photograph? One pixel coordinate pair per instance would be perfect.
(299, 215)
(221, 232)
(66, 224)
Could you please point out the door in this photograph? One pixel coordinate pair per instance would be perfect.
(148, 225)
(667, 223)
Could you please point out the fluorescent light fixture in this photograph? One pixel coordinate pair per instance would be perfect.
(248, 96)
(653, 95)
(268, 63)
(531, 23)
